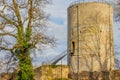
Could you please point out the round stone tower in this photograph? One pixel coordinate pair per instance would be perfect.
(90, 37)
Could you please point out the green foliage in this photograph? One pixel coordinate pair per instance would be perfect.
(26, 69)
(62, 79)
(55, 66)
(25, 29)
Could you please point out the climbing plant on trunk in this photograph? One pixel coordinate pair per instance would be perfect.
(23, 22)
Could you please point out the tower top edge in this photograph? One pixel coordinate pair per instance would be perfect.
(77, 3)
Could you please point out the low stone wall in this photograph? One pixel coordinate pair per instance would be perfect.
(45, 72)
(7, 76)
(116, 75)
(104, 75)
(57, 72)
(51, 72)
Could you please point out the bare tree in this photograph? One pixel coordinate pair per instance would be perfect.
(22, 26)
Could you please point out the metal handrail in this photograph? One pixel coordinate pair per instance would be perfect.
(56, 59)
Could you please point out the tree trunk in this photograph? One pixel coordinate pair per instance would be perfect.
(25, 67)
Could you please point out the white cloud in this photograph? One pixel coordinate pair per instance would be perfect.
(59, 31)
(59, 10)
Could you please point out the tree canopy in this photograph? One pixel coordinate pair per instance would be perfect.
(22, 24)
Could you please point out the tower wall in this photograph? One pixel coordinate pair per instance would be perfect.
(90, 37)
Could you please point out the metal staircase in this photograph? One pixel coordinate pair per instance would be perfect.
(56, 59)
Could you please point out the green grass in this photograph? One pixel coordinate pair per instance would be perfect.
(62, 79)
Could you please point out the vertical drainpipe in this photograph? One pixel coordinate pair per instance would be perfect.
(110, 36)
(78, 41)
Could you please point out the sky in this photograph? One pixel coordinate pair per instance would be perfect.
(58, 28)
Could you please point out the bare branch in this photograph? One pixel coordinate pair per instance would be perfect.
(4, 34)
(8, 20)
(30, 13)
(17, 12)
(3, 48)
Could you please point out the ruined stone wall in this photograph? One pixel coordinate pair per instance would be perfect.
(45, 72)
(53, 72)
(104, 75)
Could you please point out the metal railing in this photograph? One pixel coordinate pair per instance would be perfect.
(56, 59)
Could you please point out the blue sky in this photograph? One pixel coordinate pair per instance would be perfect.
(58, 28)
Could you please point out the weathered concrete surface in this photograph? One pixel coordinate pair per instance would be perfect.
(90, 37)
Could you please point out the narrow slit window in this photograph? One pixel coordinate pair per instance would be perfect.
(73, 45)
